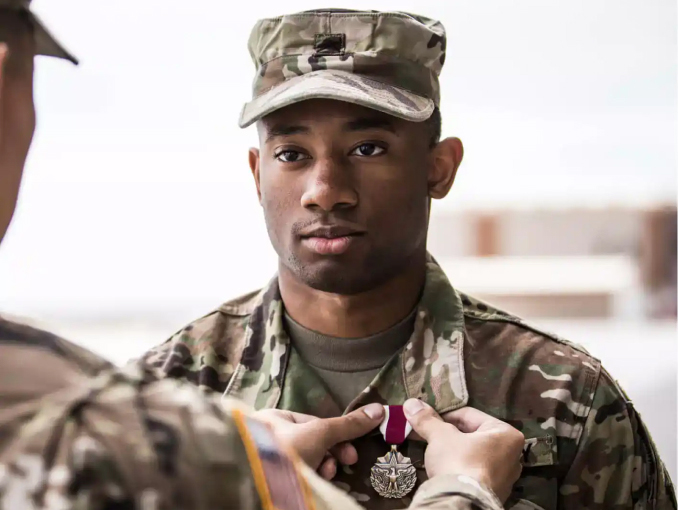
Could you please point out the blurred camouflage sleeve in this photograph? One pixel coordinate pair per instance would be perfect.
(78, 433)
(122, 440)
(617, 464)
(114, 441)
(454, 492)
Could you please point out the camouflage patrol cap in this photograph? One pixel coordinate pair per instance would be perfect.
(45, 42)
(387, 61)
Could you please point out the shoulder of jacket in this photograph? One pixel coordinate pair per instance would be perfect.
(30, 337)
(213, 343)
(237, 310)
(481, 311)
(242, 305)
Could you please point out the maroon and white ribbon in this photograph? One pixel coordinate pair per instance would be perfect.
(395, 428)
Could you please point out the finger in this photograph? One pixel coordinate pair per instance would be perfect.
(352, 425)
(424, 419)
(301, 417)
(328, 468)
(345, 453)
(288, 416)
(469, 419)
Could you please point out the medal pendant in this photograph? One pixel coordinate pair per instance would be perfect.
(393, 475)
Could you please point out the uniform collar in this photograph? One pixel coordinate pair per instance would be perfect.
(430, 366)
(433, 360)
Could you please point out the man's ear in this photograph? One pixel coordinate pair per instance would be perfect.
(447, 156)
(254, 166)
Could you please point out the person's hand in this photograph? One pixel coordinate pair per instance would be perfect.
(469, 442)
(321, 443)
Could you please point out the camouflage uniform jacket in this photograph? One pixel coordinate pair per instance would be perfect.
(77, 433)
(586, 446)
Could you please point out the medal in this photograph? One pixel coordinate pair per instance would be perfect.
(393, 475)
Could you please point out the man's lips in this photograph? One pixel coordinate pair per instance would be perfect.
(330, 240)
(331, 231)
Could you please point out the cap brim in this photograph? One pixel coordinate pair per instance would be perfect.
(46, 43)
(340, 86)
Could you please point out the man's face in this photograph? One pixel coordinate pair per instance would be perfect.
(344, 191)
(17, 113)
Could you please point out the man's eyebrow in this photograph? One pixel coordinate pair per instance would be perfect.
(278, 130)
(365, 123)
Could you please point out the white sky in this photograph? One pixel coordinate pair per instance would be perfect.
(137, 194)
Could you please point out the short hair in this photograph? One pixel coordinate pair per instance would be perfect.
(434, 127)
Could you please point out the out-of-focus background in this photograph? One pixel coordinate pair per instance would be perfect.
(138, 212)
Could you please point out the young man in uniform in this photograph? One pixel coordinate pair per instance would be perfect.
(346, 104)
(75, 432)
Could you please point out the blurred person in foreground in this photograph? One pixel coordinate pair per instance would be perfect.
(78, 433)
(350, 156)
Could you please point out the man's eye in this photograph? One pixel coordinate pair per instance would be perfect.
(290, 156)
(368, 149)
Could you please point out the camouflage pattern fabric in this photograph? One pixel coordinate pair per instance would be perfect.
(586, 446)
(387, 61)
(77, 433)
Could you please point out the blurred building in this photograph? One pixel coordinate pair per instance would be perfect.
(577, 263)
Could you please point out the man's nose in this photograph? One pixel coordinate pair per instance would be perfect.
(329, 187)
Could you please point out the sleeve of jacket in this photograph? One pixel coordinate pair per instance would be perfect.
(454, 492)
(617, 464)
(123, 440)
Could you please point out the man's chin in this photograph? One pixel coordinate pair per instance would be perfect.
(335, 276)
(346, 274)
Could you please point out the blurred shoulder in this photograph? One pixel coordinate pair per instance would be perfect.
(123, 439)
(20, 337)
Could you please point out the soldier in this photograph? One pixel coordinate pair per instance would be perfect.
(77, 433)
(346, 104)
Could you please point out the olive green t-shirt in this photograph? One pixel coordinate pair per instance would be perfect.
(348, 365)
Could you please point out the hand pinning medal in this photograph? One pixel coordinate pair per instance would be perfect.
(393, 475)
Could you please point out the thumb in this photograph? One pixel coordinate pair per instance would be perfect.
(352, 425)
(424, 419)
(469, 419)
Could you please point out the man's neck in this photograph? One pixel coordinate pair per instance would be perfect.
(358, 315)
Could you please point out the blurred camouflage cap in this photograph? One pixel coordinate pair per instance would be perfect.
(387, 61)
(45, 42)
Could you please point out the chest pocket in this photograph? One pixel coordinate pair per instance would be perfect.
(537, 488)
